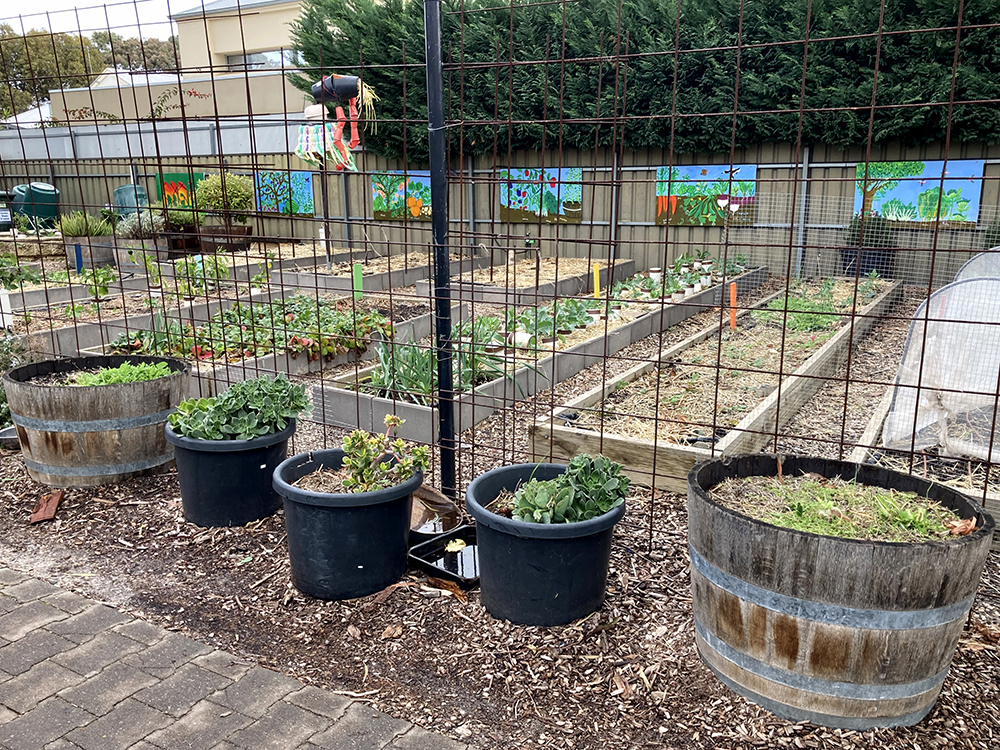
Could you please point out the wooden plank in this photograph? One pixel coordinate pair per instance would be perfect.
(757, 428)
(873, 431)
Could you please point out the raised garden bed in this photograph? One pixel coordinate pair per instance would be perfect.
(555, 277)
(344, 404)
(379, 274)
(753, 418)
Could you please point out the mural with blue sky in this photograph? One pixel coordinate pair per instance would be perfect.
(913, 191)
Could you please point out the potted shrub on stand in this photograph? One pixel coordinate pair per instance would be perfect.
(544, 535)
(347, 512)
(230, 197)
(829, 591)
(228, 446)
(180, 230)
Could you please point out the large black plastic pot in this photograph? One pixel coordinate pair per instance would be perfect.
(839, 632)
(343, 545)
(535, 573)
(228, 482)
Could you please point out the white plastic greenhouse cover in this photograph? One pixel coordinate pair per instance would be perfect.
(955, 407)
(981, 266)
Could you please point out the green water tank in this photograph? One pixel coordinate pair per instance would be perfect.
(39, 201)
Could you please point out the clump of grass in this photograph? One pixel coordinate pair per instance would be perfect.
(837, 507)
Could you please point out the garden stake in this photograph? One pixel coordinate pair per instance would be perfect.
(357, 286)
(732, 306)
(597, 281)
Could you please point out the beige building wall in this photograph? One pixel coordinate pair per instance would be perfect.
(205, 42)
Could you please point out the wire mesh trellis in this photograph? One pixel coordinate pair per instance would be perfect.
(590, 169)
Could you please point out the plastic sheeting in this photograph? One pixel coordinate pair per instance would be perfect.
(953, 354)
(984, 265)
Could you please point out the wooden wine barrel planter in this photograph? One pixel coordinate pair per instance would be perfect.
(84, 436)
(839, 632)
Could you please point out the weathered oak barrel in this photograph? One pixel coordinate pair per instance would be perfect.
(839, 632)
(84, 436)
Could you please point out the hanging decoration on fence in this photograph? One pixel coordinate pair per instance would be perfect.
(322, 144)
(402, 195)
(707, 195)
(177, 188)
(554, 196)
(285, 193)
(912, 193)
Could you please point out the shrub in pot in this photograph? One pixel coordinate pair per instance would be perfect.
(228, 446)
(137, 235)
(95, 236)
(180, 230)
(544, 537)
(229, 197)
(838, 630)
(347, 513)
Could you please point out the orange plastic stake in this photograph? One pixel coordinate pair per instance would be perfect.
(732, 306)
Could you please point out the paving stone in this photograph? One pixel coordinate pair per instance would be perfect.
(21, 621)
(143, 745)
(47, 722)
(8, 604)
(185, 687)
(98, 653)
(419, 738)
(104, 691)
(84, 626)
(32, 687)
(69, 602)
(283, 726)
(162, 659)
(10, 577)
(22, 655)
(320, 702)
(62, 744)
(6, 715)
(128, 723)
(142, 631)
(28, 591)
(223, 663)
(256, 691)
(205, 725)
(361, 728)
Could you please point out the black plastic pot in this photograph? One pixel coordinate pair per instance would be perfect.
(533, 573)
(227, 482)
(331, 89)
(882, 260)
(343, 545)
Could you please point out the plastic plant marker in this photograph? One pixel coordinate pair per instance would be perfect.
(597, 281)
(732, 306)
(357, 281)
(79, 257)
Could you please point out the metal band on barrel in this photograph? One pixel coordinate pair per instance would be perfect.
(90, 425)
(96, 471)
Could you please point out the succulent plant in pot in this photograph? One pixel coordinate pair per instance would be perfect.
(228, 446)
(544, 533)
(347, 512)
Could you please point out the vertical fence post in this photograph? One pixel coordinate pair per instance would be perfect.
(803, 197)
(439, 227)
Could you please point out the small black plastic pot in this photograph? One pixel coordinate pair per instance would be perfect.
(535, 573)
(343, 545)
(227, 482)
(331, 89)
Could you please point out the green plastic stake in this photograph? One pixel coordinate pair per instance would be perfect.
(357, 281)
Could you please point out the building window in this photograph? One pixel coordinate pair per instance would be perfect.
(271, 60)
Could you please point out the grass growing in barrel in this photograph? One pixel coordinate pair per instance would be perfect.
(841, 508)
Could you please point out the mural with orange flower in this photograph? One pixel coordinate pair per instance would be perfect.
(402, 196)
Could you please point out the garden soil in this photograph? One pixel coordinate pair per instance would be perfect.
(627, 677)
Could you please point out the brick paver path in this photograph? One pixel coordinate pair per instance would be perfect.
(77, 675)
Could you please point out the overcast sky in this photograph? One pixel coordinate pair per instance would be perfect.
(126, 17)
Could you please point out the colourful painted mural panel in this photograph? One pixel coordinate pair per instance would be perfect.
(550, 195)
(402, 195)
(706, 195)
(177, 188)
(285, 193)
(919, 193)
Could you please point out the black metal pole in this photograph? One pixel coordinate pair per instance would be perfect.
(439, 227)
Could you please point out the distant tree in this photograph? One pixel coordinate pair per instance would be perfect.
(33, 64)
(153, 55)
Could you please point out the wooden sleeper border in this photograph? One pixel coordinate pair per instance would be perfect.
(552, 441)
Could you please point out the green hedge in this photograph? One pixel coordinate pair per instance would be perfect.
(913, 68)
